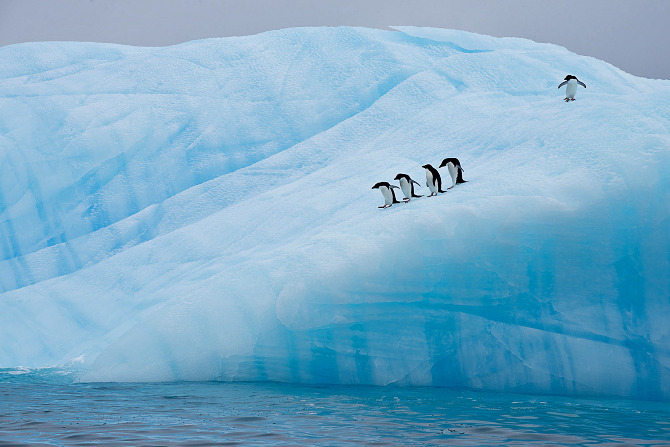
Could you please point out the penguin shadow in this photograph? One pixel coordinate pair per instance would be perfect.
(433, 183)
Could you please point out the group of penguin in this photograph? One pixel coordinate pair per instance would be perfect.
(433, 182)
(433, 179)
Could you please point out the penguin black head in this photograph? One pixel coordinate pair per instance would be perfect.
(430, 168)
(452, 160)
(380, 184)
(399, 176)
(570, 78)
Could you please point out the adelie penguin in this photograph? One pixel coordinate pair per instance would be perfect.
(387, 191)
(571, 89)
(433, 180)
(455, 170)
(407, 186)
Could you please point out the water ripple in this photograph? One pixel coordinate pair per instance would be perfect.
(206, 414)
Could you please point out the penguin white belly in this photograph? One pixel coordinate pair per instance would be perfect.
(453, 172)
(388, 195)
(406, 188)
(430, 182)
(571, 89)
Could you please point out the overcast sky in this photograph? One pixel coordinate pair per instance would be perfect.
(632, 34)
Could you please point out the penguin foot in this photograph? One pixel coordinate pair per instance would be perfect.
(405, 199)
(567, 99)
(572, 99)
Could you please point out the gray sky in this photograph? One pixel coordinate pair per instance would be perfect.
(634, 35)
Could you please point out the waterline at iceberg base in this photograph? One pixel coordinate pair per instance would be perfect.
(204, 212)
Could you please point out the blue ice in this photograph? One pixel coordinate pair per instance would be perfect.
(204, 212)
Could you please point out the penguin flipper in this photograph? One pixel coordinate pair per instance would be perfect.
(581, 83)
(562, 84)
(459, 179)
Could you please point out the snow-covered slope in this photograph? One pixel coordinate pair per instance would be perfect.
(205, 211)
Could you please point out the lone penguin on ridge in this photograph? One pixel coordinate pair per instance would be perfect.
(387, 191)
(571, 89)
(407, 186)
(455, 170)
(433, 180)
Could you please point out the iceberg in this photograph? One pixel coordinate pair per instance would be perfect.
(204, 212)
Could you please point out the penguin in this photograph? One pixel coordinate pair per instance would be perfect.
(407, 186)
(433, 180)
(455, 170)
(387, 191)
(571, 89)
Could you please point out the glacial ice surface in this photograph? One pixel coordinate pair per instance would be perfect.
(204, 212)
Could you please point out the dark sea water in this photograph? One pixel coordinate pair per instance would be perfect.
(268, 414)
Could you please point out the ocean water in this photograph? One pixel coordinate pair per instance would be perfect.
(219, 413)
